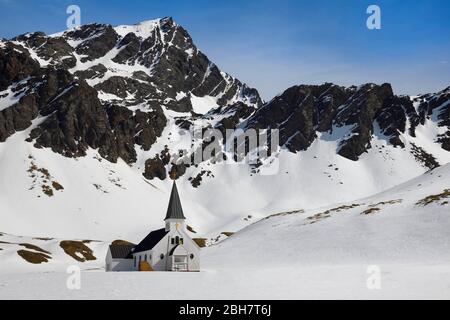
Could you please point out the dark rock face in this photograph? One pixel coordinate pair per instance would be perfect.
(302, 111)
(177, 171)
(233, 115)
(75, 122)
(424, 157)
(96, 40)
(299, 113)
(174, 65)
(154, 168)
(436, 107)
(35, 86)
(96, 71)
(15, 65)
(17, 117)
(392, 118)
(148, 127)
(141, 128)
(130, 46)
(122, 87)
(78, 121)
(55, 50)
(360, 112)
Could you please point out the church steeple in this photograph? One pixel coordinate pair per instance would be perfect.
(174, 211)
(174, 216)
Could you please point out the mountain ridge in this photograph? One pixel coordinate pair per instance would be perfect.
(104, 112)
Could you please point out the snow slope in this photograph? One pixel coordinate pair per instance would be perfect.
(394, 226)
(316, 253)
(109, 201)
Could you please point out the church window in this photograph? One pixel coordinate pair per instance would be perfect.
(181, 241)
(191, 256)
(145, 258)
(172, 241)
(135, 261)
(162, 256)
(177, 240)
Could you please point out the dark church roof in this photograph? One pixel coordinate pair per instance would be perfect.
(121, 251)
(150, 240)
(174, 211)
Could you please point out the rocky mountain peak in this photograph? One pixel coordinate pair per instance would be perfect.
(117, 88)
(350, 116)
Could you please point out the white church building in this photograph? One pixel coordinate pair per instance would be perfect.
(166, 249)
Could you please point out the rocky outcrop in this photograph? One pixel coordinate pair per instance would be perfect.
(436, 107)
(15, 65)
(155, 168)
(17, 117)
(359, 113)
(350, 116)
(76, 121)
(56, 51)
(95, 40)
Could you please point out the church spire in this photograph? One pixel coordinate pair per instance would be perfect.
(174, 211)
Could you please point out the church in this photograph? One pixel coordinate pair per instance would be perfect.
(166, 249)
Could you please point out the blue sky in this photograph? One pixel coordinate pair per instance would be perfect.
(272, 45)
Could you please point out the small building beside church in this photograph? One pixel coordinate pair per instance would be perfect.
(166, 249)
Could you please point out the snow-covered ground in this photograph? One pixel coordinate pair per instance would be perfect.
(305, 282)
(330, 252)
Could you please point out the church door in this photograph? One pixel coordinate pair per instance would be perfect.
(179, 263)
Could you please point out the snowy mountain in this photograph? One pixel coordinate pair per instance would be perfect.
(91, 121)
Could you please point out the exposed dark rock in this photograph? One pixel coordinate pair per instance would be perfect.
(154, 168)
(122, 87)
(424, 157)
(98, 40)
(56, 50)
(360, 113)
(234, 115)
(129, 45)
(436, 107)
(295, 114)
(177, 170)
(393, 116)
(37, 91)
(96, 71)
(196, 182)
(77, 121)
(18, 117)
(149, 126)
(15, 65)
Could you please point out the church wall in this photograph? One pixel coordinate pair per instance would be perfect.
(122, 265)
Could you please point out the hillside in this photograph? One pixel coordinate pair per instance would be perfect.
(318, 253)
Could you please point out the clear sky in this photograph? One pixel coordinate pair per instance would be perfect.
(272, 45)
